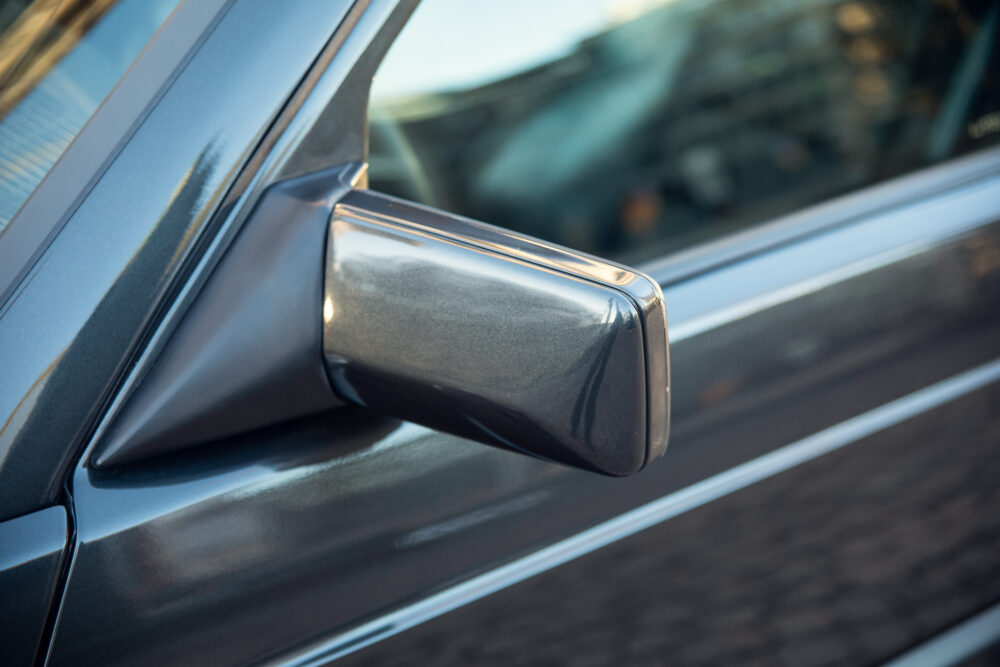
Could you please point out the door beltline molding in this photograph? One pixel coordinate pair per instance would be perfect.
(955, 644)
(648, 515)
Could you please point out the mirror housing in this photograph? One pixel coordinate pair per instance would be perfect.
(494, 336)
(330, 295)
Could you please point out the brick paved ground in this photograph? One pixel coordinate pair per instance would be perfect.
(848, 559)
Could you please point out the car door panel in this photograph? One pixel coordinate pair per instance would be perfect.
(31, 564)
(847, 559)
(310, 529)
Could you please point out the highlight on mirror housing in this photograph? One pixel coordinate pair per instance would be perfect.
(495, 336)
(419, 315)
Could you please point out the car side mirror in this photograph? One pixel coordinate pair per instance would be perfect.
(501, 338)
(416, 314)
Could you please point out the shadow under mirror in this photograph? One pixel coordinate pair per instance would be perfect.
(321, 438)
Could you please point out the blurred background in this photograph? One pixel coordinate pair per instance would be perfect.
(630, 128)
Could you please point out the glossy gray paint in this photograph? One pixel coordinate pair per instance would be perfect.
(505, 322)
(330, 126)
(98, 142)
(495, 336)
(281, 538)
(71, 326)
(31, 556)
(847, 559)
(288, 149)
(248, 352)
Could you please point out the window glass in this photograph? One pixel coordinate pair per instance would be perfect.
(629, 128)
(58, 61)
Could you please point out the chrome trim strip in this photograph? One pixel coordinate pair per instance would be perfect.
(952, 646)
(924, 184)
(718, 298)
(648, 515)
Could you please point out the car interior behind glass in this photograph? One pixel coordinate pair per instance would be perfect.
(630, 129)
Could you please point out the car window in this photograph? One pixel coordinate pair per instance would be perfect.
(58, 61)
(630, 128)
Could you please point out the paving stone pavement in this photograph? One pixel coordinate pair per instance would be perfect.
(848, 559)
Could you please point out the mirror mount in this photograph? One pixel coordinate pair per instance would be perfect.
(332, 294)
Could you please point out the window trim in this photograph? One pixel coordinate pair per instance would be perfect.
(824, 216)
(102, 137)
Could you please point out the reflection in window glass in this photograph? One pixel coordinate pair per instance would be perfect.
(629, 128)
(58, 61)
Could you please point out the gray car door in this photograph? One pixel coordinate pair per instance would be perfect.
(826, 490)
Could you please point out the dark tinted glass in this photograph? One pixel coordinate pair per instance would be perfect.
(58, 60)
(632, 128)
